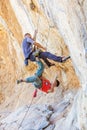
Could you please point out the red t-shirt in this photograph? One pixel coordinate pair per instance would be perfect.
(46, 85)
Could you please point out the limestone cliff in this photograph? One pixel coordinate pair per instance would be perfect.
(62, 29)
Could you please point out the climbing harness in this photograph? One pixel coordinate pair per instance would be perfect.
(36, 52)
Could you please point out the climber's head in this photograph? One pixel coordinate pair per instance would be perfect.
(27, 35)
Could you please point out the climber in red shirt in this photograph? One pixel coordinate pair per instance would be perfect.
(39, 81)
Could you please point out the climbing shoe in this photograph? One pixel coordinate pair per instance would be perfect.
(51, 64)
(65, 58)
(19, 81)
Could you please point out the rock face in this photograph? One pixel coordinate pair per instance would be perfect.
(38, 119)
(11, 37)
(62, 29)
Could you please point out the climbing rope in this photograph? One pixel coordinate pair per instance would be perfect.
(32, 6)
(38, 18)
(50, 26)
(48, 36)
(34, 95)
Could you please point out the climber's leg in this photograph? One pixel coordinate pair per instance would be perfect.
(50, 56)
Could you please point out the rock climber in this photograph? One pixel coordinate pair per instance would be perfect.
(30, 53)
(39, 81)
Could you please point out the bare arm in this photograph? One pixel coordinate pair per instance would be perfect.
(35, 34)
(39, 46)
(35, 43)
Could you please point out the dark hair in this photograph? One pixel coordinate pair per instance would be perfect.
(58, 83)
(27, 34)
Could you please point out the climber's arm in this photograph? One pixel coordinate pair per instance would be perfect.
(39, 46)
(35, 34)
